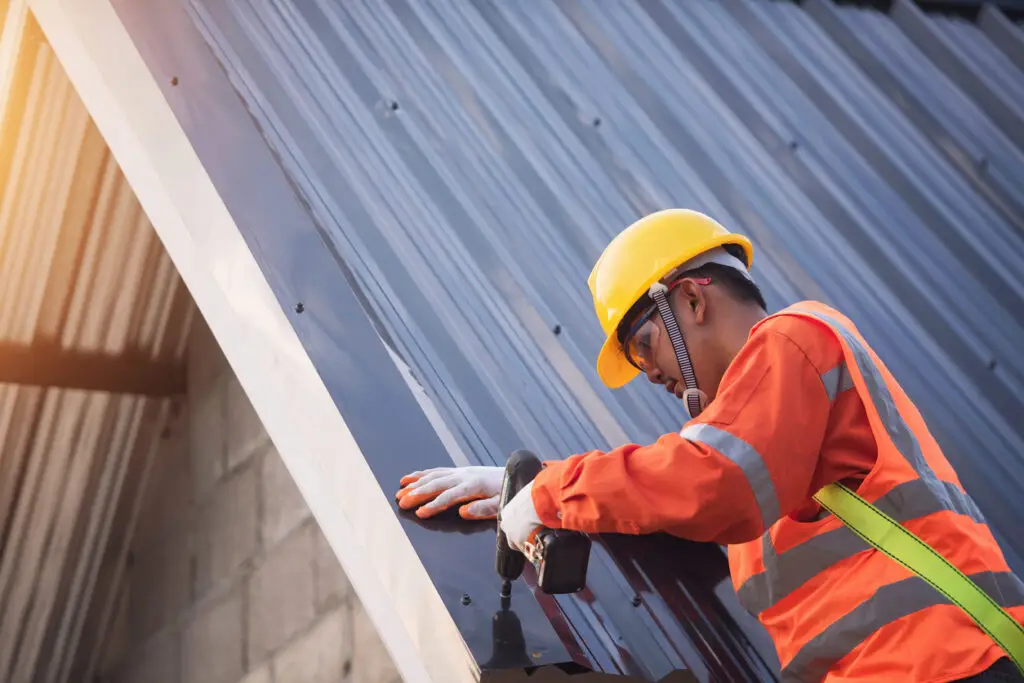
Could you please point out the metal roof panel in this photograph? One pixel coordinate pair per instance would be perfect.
(466, 163)
(986, 60)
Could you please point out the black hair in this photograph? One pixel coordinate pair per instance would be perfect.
(735, 284)
(738, 287)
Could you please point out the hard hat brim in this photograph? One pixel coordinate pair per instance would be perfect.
(612, 366)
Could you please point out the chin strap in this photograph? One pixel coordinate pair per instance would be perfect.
(694, 398)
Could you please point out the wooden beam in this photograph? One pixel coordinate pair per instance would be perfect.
(50, 366)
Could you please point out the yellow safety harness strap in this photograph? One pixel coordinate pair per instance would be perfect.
(893, 539)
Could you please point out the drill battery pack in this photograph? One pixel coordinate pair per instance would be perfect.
(561, 559)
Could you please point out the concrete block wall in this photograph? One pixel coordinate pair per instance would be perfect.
(230, 579)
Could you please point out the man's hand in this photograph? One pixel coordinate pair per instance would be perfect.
(435, 490)
(519, 518)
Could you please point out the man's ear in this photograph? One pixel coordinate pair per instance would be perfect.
(691, 295)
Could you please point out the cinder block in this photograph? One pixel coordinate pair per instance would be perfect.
(332, 584)
(119, 645)
(159, 661)
(260, 675)
(371, 662)
(160, 580)
(317, 656)
(205, 358)
(281, 594)
(226, 529)
(245, 433)
(167, 502)
(119, 636)
(284, 508)
(211, 642)
(207, 427)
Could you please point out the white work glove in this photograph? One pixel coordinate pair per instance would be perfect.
(519, 518)
(435, 490)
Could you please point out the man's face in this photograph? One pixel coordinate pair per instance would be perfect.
(651, 347)
(663, 367)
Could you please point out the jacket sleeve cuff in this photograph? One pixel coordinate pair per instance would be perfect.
(545, 494)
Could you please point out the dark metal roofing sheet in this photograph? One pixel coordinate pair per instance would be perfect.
(466, 163)
(964, 120)
(987, 62)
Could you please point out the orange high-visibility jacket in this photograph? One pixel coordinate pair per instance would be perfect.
(806, 403)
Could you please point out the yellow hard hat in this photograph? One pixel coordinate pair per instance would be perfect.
(636, 258)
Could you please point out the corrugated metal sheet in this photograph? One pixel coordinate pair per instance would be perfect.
(81, 268)
(987, 62)
(965, 121)
(468, 162)
(474, 179)
(1002, 33)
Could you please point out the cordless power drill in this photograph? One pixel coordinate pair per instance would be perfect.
(560, 556)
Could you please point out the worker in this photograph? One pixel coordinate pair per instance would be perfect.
(777, 407)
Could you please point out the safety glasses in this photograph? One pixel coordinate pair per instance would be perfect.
(638, 344)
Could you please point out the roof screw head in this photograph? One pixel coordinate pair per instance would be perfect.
(992, 364)
(299, 307)
(557, 329)
(793, 144)
(597, 121)
(393, 106)
(636, 601)
(466, 599)
(174, 80)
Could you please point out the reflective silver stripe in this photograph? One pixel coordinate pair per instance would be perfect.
(786, 572)
(748, 460)
(888, 604)
(904, 439)
(836, 381)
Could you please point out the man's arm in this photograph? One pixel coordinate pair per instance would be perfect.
(745, 462)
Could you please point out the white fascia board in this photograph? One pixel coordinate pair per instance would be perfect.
(262, 347)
